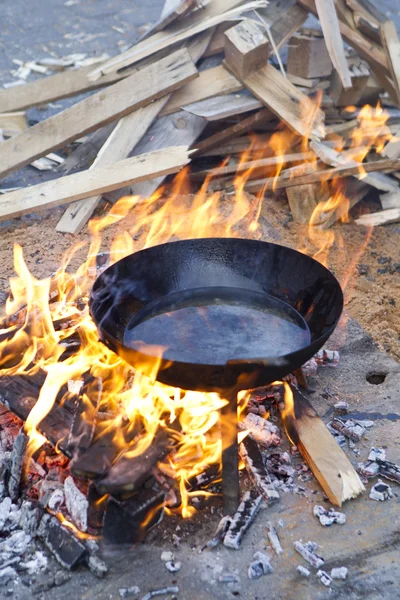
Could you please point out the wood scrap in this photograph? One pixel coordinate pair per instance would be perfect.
(246, 47)
(285, 180)
(127, 133)
(330, 27)
(284, 24)
(236, 129)
(171, 12)
(216, 45)
(291, 106)
(303, 199)
(308, 57)
(368, 10)
(84, 155)
(223, 107)
(392, 215)
(116, 101)
(390, 200)
(214, 14)
(92, 182)
(391, 45)
(12, 123)
(360, 74)
(328, 462)
(211, 82)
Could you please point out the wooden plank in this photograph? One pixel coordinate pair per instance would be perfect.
(308, 57)
(330, 28)
(127, 133)
(13, 122)
(390, 200)
(84, 155)
(172, 11)
(303, 199)
(54, 87)
(359, 77)
(94, 181)
(214, 14)
(116, 101)
(246, 47)
(211, 82)
(368, 10)
(234, 130)
(284, 180)
(391, 45)
(217, 43)
(223, 107)
(285, 24)
(371, 53)
(183, 129)
(328, 462)
(392, 215)
(291, 106)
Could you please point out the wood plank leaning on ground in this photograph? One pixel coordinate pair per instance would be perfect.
(132, 93)
(93, 181)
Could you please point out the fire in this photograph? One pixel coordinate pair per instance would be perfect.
(43, 314)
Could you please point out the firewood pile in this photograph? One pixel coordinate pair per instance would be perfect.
(213, 82)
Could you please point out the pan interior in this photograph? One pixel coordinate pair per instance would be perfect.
(215, 325)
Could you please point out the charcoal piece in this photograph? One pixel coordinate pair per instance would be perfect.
(261, 565)
(261, 430)
(245, 515)
(205, 478)
(349, 429)
(328, 516)
(17, 459)
(381, 491)
(389, 470)
(67, 549)
(173, 589)
(307, 551)
(98, 459)
(129, 473)
(221, 531)
(95, 512)
(274, 539)
(97, 566)
(324, 578)
(258, 474)
(128, 521)
(4, 474)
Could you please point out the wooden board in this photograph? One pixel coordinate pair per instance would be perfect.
(308, 57)
(236, 129)
(179, 128)
(391, 45)
(260, 163)
(330, 28)
(291, 106)
(246, 47)
(223, 107)
(211, 82)
(328, 462)
(171, 12)
(392, 215)
(372, 54)
(128, 132)
(13, 122)
(116, 101)
(214, 14)
(92, 182)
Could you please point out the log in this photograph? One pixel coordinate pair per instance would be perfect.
(291, 106)
(330, 28)
(328, 462)
(391, 45)
(392, 215)
(215, 13)
(236, 129)
(127, 133)
(115, 102)
(94, 181)
(246, 48)
(308, 57)
(374, 56)
(211, 82)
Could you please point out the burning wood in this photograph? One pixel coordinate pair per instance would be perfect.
(259, 476)
(241, 521)
(261, 430)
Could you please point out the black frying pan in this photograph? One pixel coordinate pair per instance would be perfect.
(223, 312)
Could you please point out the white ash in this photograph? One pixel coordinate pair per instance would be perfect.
(261, 430)
(17, 543)
(77, 504)
(329, 516)
(172, 566)
(221, 531)
(367, 424)
(324, 578)
(167, 556)
(303, 571)
(8, 574)
(36, 564)
(341, 407)
(274, 539)
(243, 518)
(381, 491)
(327, 358)
(308, 552)
(56, 500)
(5, 507)
(339, 573)
(97, 566)
(377, 453)
(29, 518)
(128, 592)
(261, 565)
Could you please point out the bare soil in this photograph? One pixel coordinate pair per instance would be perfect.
(366, 263)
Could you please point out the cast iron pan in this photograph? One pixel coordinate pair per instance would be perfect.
(221, 312)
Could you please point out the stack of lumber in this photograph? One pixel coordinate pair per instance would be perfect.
(209, 81)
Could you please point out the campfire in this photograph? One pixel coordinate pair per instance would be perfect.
(118, 408)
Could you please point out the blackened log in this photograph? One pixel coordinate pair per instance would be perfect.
(95, 514)
(129, 473)
(128, 521)
(245, 515)
(62, 542)
(17, 461)
(389, 470)
(256, 470)
(85, 416)
(98, 459)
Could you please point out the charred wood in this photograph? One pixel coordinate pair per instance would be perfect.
(258, 474)
(244, 517)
